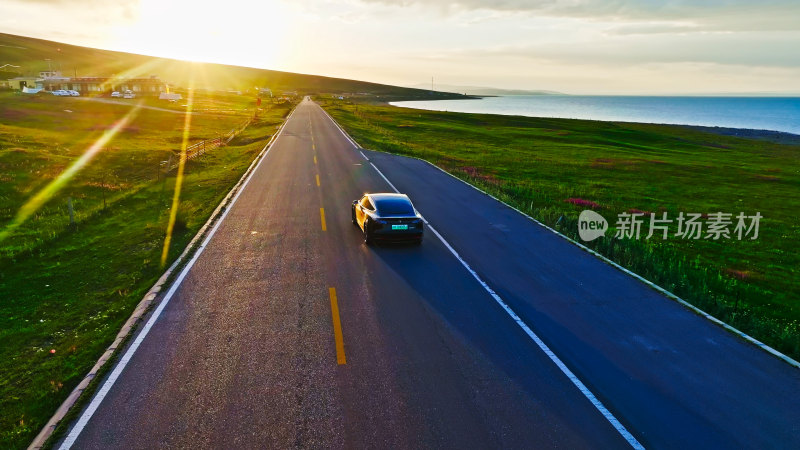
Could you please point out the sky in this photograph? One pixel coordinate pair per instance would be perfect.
(573, 46)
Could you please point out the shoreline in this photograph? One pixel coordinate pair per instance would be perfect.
(775, 136)
(778, 137)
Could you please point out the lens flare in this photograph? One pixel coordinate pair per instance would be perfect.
(176, 196)
(47, 193)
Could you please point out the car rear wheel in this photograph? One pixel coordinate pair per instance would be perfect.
(353, 214)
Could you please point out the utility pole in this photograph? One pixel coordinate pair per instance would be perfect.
(431, 83)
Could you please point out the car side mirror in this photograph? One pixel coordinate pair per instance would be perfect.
(355, 201)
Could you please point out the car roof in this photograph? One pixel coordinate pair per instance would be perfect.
(386, 196)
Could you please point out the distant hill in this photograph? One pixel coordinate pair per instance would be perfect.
(32, 55)
(481, 90)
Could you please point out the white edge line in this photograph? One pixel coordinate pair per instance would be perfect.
(384, 178)
(658, 288)
(123, 362)
(341, 130)
(555, 359)
(141, 309)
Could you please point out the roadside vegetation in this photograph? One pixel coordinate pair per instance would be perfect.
(553, 169)
(65, 290)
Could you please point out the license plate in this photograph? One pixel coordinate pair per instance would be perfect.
(399, 227)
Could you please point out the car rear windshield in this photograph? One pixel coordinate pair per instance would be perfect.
(394, 207)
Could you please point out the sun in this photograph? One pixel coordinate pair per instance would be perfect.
(235, 32)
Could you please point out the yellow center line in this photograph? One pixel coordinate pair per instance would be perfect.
(315, 159)
(317, 179)
(337, 328)
(322, 216)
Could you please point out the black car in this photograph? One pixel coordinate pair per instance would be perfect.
(387, 217)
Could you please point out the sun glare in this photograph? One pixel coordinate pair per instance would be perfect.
(233, 32)
(52, 188)
(176, 196)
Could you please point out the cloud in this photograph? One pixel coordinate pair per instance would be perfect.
(656, 28)
(125, 8)
(739, 49)
(349, 18)
(711, 14)
(568, 45)
(79, 22)
(79, 3)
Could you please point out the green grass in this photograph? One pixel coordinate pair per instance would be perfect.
(538, 164)
(70, 289)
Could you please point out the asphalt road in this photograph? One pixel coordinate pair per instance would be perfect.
(253, 352)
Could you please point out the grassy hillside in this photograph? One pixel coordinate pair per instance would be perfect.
(554, 168)
(30, 54)
(67, 290)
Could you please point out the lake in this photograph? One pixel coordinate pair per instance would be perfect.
(759, 113)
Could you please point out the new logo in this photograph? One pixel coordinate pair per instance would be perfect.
(591, 225)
